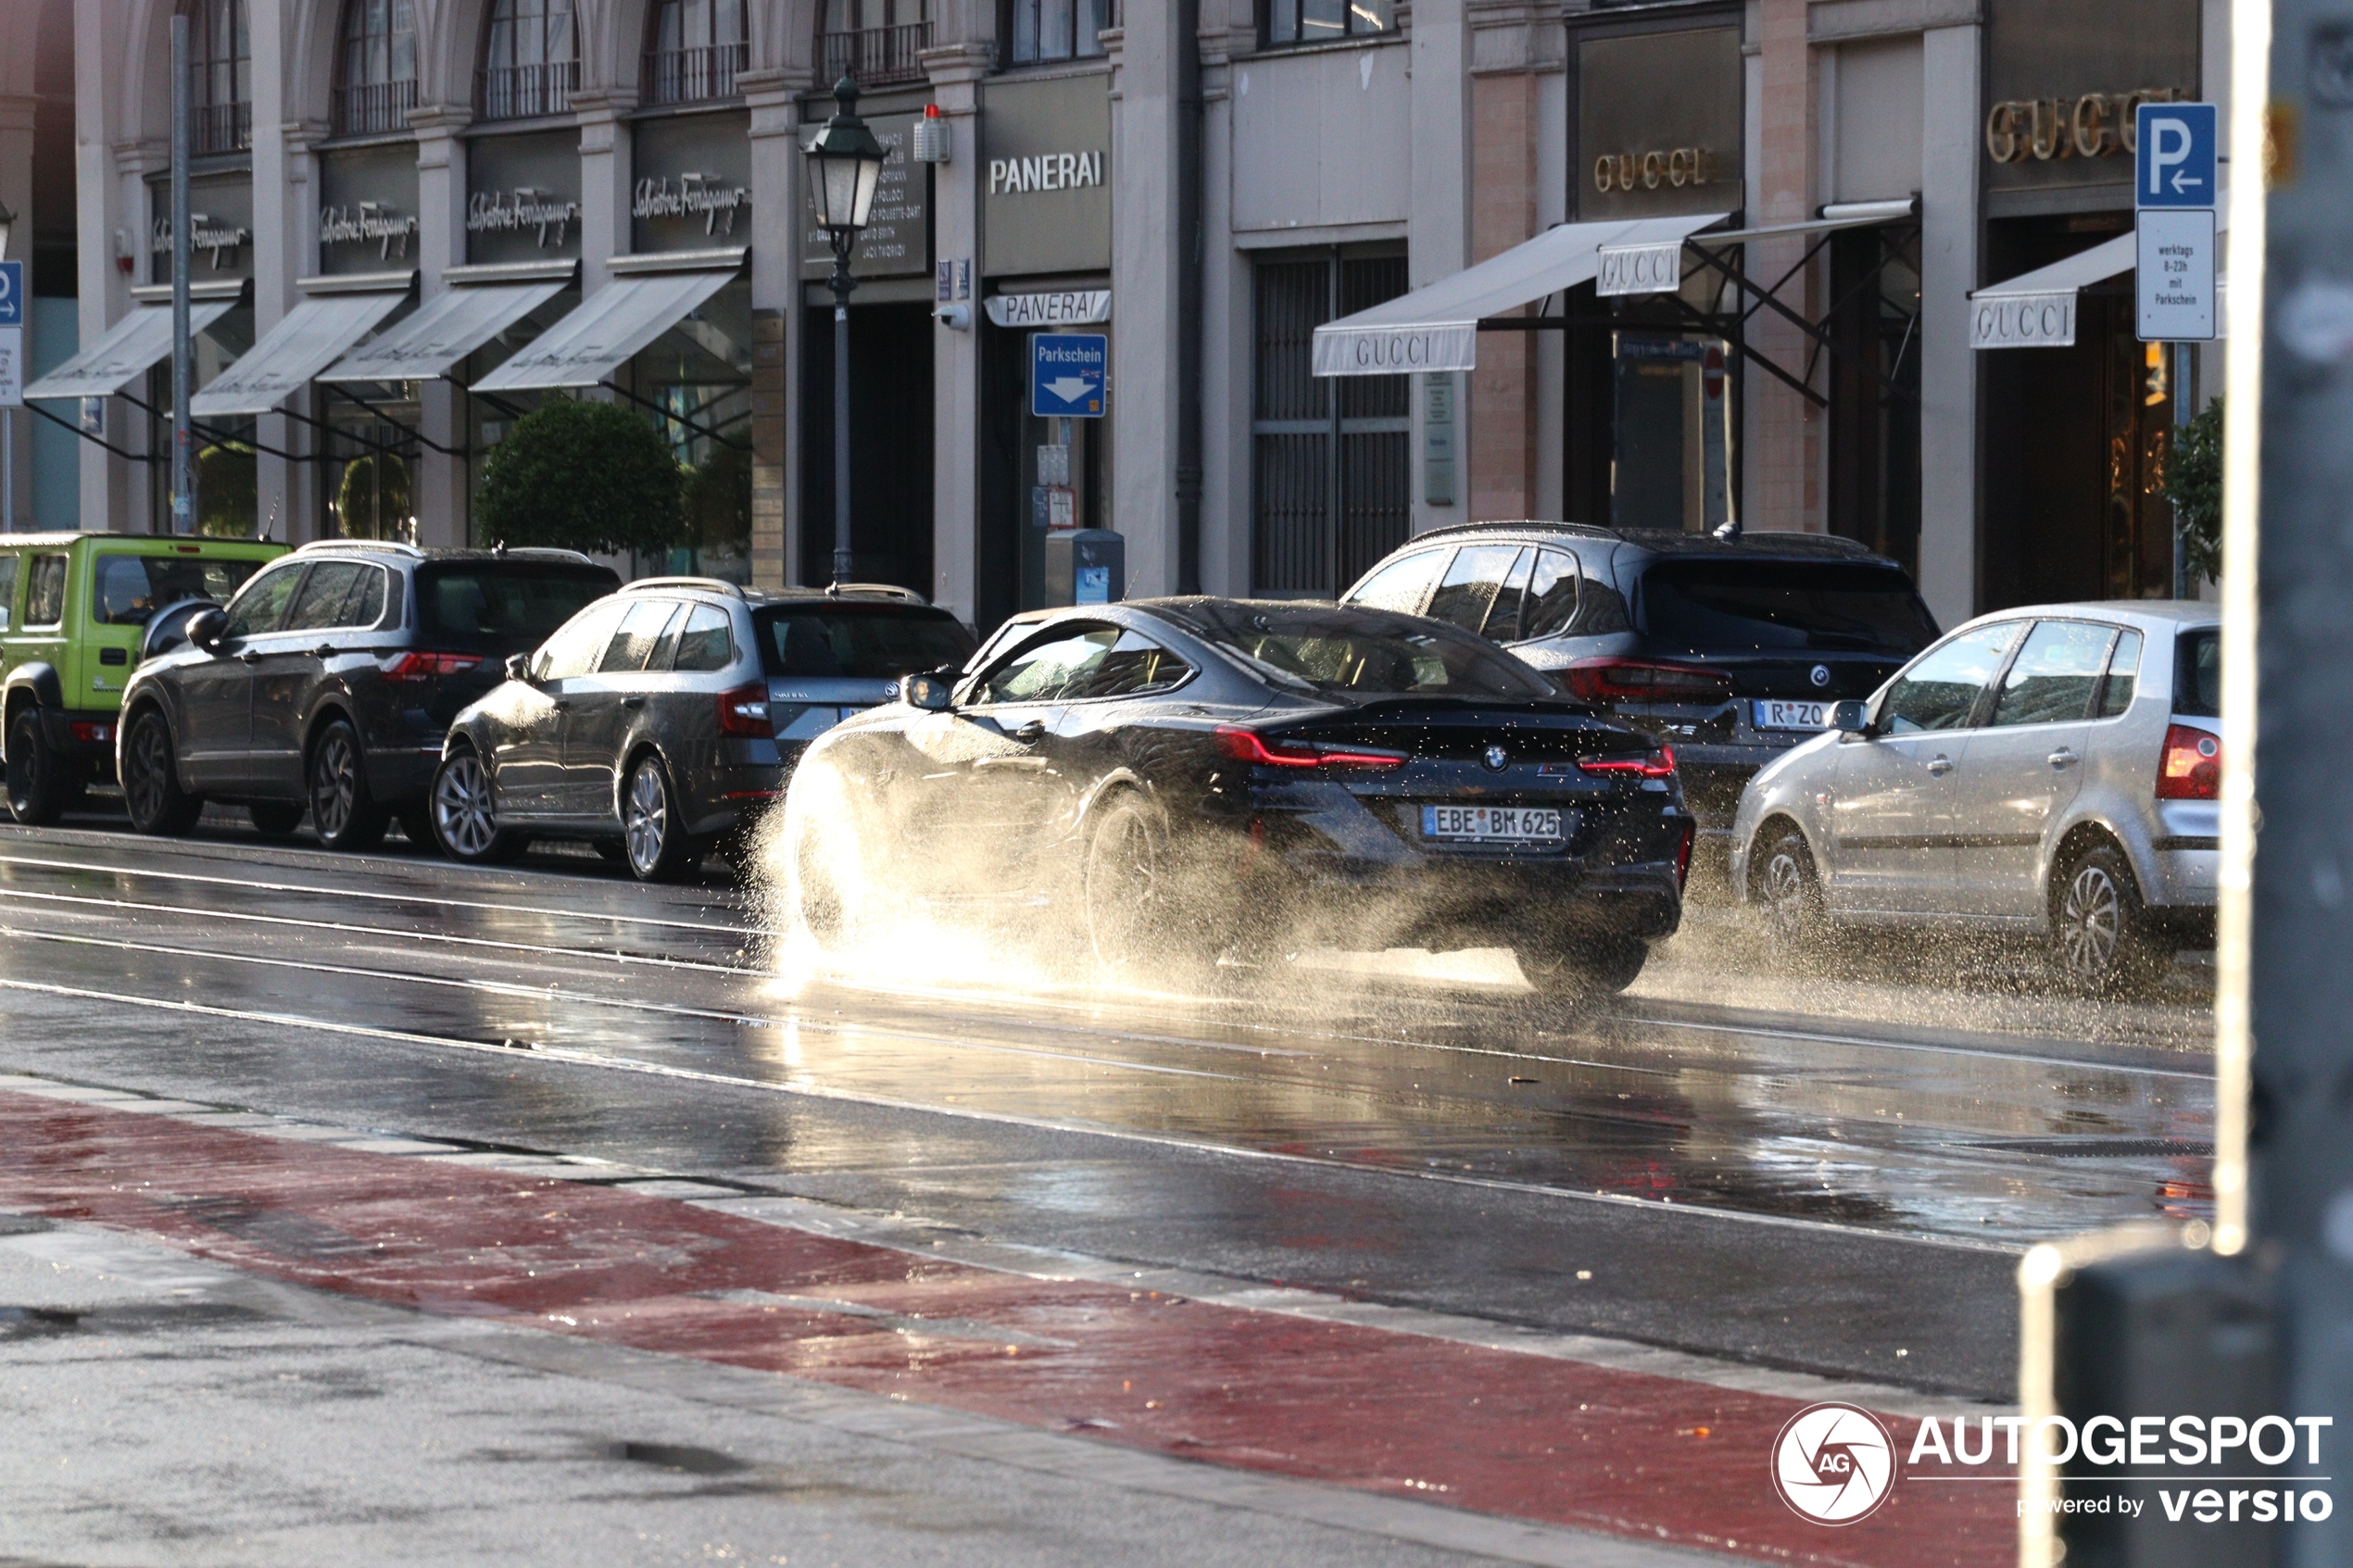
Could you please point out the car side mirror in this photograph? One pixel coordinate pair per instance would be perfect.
(928, 693)
(1851, 718)
(519, 667)
(207, 628)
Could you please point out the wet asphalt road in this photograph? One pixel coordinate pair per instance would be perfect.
(1832, 1174)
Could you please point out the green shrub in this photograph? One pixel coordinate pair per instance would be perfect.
(580, 476)
(2193, 483)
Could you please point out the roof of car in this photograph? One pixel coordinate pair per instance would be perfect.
(412, 554)
(1769, 544)
(854, 593)
(2169, 612)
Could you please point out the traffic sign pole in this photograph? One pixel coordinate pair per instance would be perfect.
(12, 297)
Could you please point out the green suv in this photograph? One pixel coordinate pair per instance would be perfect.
(74, 610)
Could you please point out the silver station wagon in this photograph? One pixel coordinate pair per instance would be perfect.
(2053, 770)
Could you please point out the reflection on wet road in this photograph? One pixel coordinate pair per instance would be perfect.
(1992, 1137)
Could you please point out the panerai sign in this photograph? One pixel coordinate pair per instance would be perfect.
(707, 196)
(378, 222)
(1046, 171)
(526, 206)
(2095, 125)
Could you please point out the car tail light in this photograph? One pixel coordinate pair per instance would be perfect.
(1683, 856)
(1249, 745)
(2192, 765)
(1606, 681)
(1659, 764)
(91, 733)
(743, 713)
(428, 666)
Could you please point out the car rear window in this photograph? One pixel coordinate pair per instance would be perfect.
(857, 641)
(1345, 651)
(1728, 604)
(503, 607)
(131, 588)
(2197, 673)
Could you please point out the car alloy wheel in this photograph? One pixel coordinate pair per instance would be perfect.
(1786, 885)
(1127, 888)
(650, 832)
(151, 791)
(335, 784)
(2091, 925)
(38, 791)
(463, 817)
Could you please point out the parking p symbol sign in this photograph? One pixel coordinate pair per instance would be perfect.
(2175, 160)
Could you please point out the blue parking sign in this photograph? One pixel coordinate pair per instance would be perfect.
(1067, 374)
(2173, 158)
(11, 294)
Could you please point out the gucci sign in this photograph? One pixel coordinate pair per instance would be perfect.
(1674, 168)
(1653, 268)
(2032, 321)
(2095, 125)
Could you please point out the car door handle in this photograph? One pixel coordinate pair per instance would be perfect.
(1941, 766)
(2062, 758)
(1034, 730)
(248, 657)
(633, 702)
(324, 650)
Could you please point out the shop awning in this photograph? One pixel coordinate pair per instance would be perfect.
(443, 331)
(606, 329)
(2037, 310)
(1436, 327)
(128, 350)
(313, 335)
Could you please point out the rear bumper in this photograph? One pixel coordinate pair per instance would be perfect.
(401, 776)
(726, 797)
(85, 736)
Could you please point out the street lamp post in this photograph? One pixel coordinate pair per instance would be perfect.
(845, 167)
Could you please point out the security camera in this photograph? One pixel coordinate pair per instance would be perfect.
(955, 318)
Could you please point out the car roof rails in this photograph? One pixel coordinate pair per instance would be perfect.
(884, 590)
(1520, 525)
(393, 545)
(707, 584)
(544, 552)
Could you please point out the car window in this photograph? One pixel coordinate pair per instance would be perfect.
(1728, 604)
(8, 591)
(1351, 652)
(1047, 670)
(634, 640)
(1134, 666)
(320, 604)
(2050, 682)
(45, 597)
(2197, 673)
(1941, 689)
(131, 588)
(1467, 591)
(364, 606)
(1401, 584)
(870, 642)
(502, 606)
(1599, 607)
(1552, 596)
(263, 603)
(703, 643)
(2123, 676)
(1503, 621)
(578, 643)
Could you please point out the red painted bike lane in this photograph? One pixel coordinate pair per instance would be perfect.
(1491, 1431)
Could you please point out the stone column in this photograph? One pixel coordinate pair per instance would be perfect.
(1228, 349)
(1149, 325)
(1948, 366)
(441, 488)
(1439, 218)
(291, 495)
(956, 71)
(16, 192)
(605, 172)
(1505, 119)
(1785, 460)
(776, 160)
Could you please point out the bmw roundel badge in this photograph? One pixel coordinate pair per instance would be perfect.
(1497, 756)
(1821, 675)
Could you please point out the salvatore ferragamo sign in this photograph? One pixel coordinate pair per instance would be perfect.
(707, 196)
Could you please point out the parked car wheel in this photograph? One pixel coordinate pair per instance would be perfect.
(465, 814)
(274, 818)
(1788, 890)
(151, 780)
(652, 832)
(2100, 940)
(1583, 971)
(342, 808)
(1129, 893)
(40, 784)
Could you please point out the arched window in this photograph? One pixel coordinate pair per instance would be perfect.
(221, 62)
(533, 60)
(698, 46)
(875, 41)
(376, 79)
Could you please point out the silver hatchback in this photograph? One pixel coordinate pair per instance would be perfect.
(2052, 771)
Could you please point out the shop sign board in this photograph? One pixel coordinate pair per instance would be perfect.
(896, 241)
(522, 200)
(1632, 269)
(1045, 202)
(219, 227)
(1055, 309)
(1066, 373)
(2064, 85)
(1658, 124)
(2174, 180)
(368, 208)
(693, 184)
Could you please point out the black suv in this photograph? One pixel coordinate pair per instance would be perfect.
(1729, 649)
(660, 722)
(327, 683)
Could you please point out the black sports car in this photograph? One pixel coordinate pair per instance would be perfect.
(1188, 778)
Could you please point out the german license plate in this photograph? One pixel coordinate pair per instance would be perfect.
(1493, 824)
(1793, 715)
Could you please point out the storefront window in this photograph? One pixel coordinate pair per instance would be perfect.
(1323, 21)
(376, 84)
(876, 41)
(534, 59)
(698, 46)
(1672, 461)
(1057, 30)
(695, 383)
(226, 465)
(222, 67)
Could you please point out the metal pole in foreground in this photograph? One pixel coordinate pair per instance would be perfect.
(841, 283)
(184, 451)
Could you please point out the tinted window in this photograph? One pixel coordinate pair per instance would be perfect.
(502, 606)
(7, 592)
(131, 588)
(1134, 666)
(1401, 584)
(1468, 591)
(1599, 607)
(1710, 603)
(577, 646)
(862, 642)
(2051, 680)
(263, 603)
(2123, 676)
(1337, 650)
(364, 606)
(633, 641)
(703, 643)
(320, 605)
(1049, 669)
(1939, 692)
(1552, 596)
(2197, 673)
(1503, 621)
(45, 597)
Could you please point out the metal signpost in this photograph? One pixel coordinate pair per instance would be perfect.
(2176, 187)
(11, 384)
(183, 435)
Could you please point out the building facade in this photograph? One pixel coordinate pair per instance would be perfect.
(460, 208)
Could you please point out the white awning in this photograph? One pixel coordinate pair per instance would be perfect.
(444, 330)
(2037, 310)
(126, 351)
(313, 335)
(605, 329)
(1436, 327)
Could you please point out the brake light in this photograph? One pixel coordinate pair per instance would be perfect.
(1249, 745)
(743, 713)
(2192, 769)
(1606, 680)
(1683, 856)
(91, 732)
(1659, 764)
(428, 666)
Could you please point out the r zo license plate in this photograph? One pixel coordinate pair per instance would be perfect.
(1793, 715)
(1492, 824)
